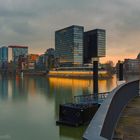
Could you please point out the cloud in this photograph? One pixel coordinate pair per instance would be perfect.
(34, 22)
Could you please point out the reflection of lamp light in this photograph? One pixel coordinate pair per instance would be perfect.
(77, 83)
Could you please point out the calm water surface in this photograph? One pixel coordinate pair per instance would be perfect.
(29, 106)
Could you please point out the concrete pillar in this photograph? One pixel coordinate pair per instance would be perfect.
(95, 79)
(121, 72)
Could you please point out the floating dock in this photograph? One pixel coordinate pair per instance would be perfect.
(84, 107)
(76, 114)
(81, 111)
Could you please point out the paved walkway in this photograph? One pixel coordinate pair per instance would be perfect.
(129, 124)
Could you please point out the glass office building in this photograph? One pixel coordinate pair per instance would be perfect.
(18, 51)
(94, 44)
(4, 53)
(3, 57)
(69, 45)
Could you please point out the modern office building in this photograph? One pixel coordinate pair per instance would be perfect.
(32, 59)
(40, 63)
(132, 66)
(18, 51)
(94, 44)
(50, 51)
(4, 53)
(69, 45)
(3, 57)
(50, 58)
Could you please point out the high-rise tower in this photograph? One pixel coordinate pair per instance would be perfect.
(94, 44)
(69, 45)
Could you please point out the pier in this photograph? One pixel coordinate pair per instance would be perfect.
(103, 124)
(84, 107)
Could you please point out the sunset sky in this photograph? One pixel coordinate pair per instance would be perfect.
(33, 23)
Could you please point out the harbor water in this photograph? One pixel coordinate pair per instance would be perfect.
(29, 106)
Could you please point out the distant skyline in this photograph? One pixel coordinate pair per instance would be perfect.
(33, 23)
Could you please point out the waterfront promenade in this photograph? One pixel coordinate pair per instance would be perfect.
(128, 127)
(104, 122)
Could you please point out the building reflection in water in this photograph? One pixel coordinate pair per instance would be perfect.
(65, 89)
(19, 89)
(71, 132)
(3, 87)
(12, 87)
(79, 85)
(44, 95)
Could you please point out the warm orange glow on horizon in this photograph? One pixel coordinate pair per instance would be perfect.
(115, 59)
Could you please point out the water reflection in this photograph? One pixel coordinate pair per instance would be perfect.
(80, 86)
(30, 105)
(65, 89)
(71, 133)
(18, 88)
(3, 87)
(59, 88)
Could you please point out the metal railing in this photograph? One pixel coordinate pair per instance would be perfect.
(90, 98)
(104, 122)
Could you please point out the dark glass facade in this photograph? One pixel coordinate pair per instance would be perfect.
(3, 57)
(17, 52)
(94, 44)
(69, 45)
(4, 54)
